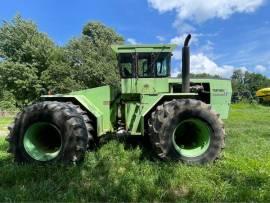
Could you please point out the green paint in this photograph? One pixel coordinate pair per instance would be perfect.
(42, 141)
(150, 48)
(144, 85)
(191, 138)
(100, 101)
(220, 93)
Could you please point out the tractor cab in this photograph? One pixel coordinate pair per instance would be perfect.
(144, 68)
(144, 61)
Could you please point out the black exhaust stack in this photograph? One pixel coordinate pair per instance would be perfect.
(186, 66)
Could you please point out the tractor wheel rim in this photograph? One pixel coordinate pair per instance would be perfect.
(191, 137)
(42, 141)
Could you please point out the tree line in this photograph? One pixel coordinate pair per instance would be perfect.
(31, 64)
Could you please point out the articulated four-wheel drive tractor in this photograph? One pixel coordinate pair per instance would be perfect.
(180, 117)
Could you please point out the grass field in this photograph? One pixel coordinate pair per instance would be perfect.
(4, 122)
(116, 173)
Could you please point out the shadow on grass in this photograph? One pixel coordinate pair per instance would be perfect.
(36, 182)
(132, 142)
(119, 170)
(266, 135)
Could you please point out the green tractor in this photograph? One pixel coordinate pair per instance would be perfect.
(180, 117)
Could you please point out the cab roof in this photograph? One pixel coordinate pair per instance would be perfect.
(145, 48)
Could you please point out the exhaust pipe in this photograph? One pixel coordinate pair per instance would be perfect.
(186, 66)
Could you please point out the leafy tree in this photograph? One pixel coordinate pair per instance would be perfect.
(30, 62)
(25, 54)
(7, 101)
(238, 86)
(21, 42)
(92, 58)
(245, 85)
(59, 77)
(256, 81)
(21, 80)
(101, 35)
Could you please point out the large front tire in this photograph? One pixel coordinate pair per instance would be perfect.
(48, 132)
(186, 130)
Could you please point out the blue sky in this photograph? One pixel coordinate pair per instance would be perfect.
(227, 34)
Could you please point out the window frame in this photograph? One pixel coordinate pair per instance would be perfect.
(168, 61)
(135, 68)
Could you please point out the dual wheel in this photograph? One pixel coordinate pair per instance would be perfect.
(186, 130)
(51, 132)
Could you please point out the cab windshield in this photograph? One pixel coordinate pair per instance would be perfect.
(145, 65)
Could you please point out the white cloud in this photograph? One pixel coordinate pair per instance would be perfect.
(132, 41)
(200, 63)
(260, 69)
(191, 12)
(177, 54)
(201, 10)
(179, 40)
(160, 38)
(208, 47)
(183, 27)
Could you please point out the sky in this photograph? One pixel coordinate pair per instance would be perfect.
(226, 34)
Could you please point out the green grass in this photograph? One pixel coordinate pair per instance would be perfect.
(4, 122)
(114, 173)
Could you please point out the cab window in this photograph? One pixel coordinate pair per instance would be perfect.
(126, 65)
(144, 65)
(145, 68)
(162, 64)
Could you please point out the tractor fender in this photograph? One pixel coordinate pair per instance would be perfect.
(166, 97)
(82, 101)
(157, 100)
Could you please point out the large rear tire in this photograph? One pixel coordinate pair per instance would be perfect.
(186, 130)
(48, 132)
(92, 142)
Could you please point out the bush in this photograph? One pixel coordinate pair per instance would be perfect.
(7, 101)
